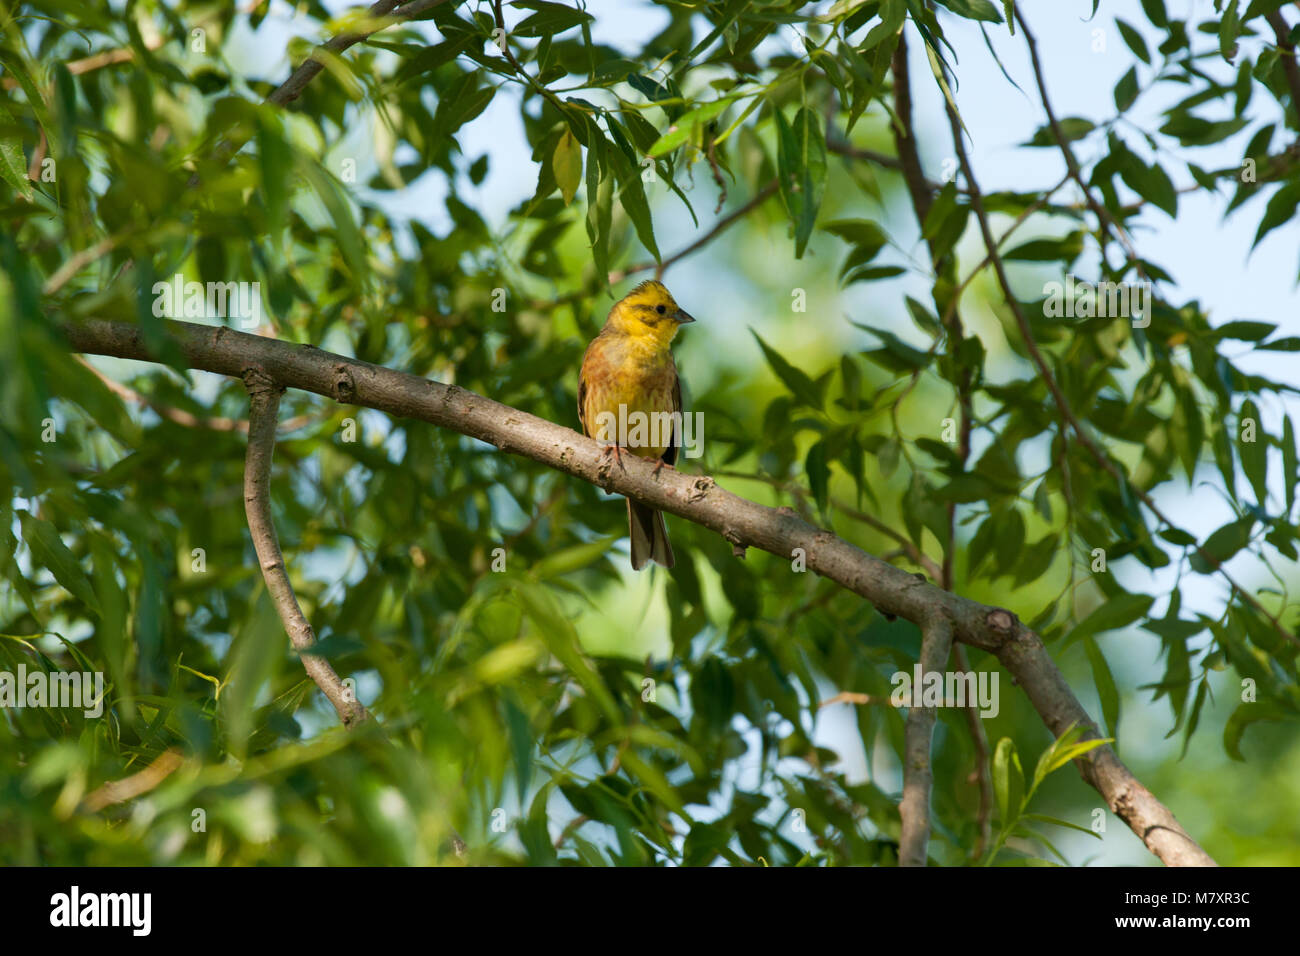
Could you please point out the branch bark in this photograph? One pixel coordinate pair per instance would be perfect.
(1282, 31)
(918, 777)
(263, 413)
(696, 498)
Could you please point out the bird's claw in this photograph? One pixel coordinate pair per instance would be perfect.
(617, 452)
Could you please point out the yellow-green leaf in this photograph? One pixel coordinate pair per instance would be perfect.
(566, 163)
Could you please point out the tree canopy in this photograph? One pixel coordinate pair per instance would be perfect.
(994, 384)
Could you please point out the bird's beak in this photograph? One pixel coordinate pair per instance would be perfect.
(681, 317)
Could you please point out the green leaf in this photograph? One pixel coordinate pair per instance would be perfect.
(550, 19)
(794, 379)
(429, 59)
(684, 127)
(49, 551)
(1254, 454)
(600, 206)
(1065, 748)
(1116, 612)
(13, 165)
(574, 558)
(557, 632)
(1155, 11)
(1246, 714)
(1229, 30)
(1008, 781)
(1043, 818)
(1065, 249)
(346, 231)
(1134, 41)
(801, 165)
(1222, 545)
(1105, 682)
(1126, 90)
(566, 162)
(17, 67)
(459, 103)
(860, 233)
(1072, 128)
(1290, 466)
(1281, 207)
(818, 472)
(1245, 330)
(632, 197)
(975, 10)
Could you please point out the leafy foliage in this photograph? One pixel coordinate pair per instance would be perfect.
(505, 711)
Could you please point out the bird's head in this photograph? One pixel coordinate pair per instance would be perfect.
(649, 311)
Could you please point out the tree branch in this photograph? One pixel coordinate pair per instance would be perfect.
(719, 227)
(980, 775)
(1286, 49)
(264, 406)
(918, 777)
(291, 88)
(696, 498)
(1105, 221)
(922, 192)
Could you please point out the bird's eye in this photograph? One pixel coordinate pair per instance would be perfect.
(660, 309)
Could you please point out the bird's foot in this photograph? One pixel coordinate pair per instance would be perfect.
(617, 452)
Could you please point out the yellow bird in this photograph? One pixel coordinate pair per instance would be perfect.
(627, 391)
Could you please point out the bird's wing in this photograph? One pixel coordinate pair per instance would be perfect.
(670, 453)
(582, 394)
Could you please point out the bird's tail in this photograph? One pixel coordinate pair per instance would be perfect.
(649, 536)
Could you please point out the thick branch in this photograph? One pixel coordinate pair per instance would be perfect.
(264, 406)
(918, 777)
(696, 498)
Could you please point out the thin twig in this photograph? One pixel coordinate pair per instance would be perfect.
(499, 17)
(719, 227)
(380, 16)
(850, 697)
(140, 782)
(1058, 397)
(980, 776)
(216, 423)
(1286, 51)
(263, 408)
(78, 261)
(377, 19)
(1105, 221)
(918, 777)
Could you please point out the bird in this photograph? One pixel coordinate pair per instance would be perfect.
(628, 368)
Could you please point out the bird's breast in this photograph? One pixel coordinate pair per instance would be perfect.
(630, 386)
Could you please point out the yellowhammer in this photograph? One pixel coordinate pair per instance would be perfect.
(628, 392)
